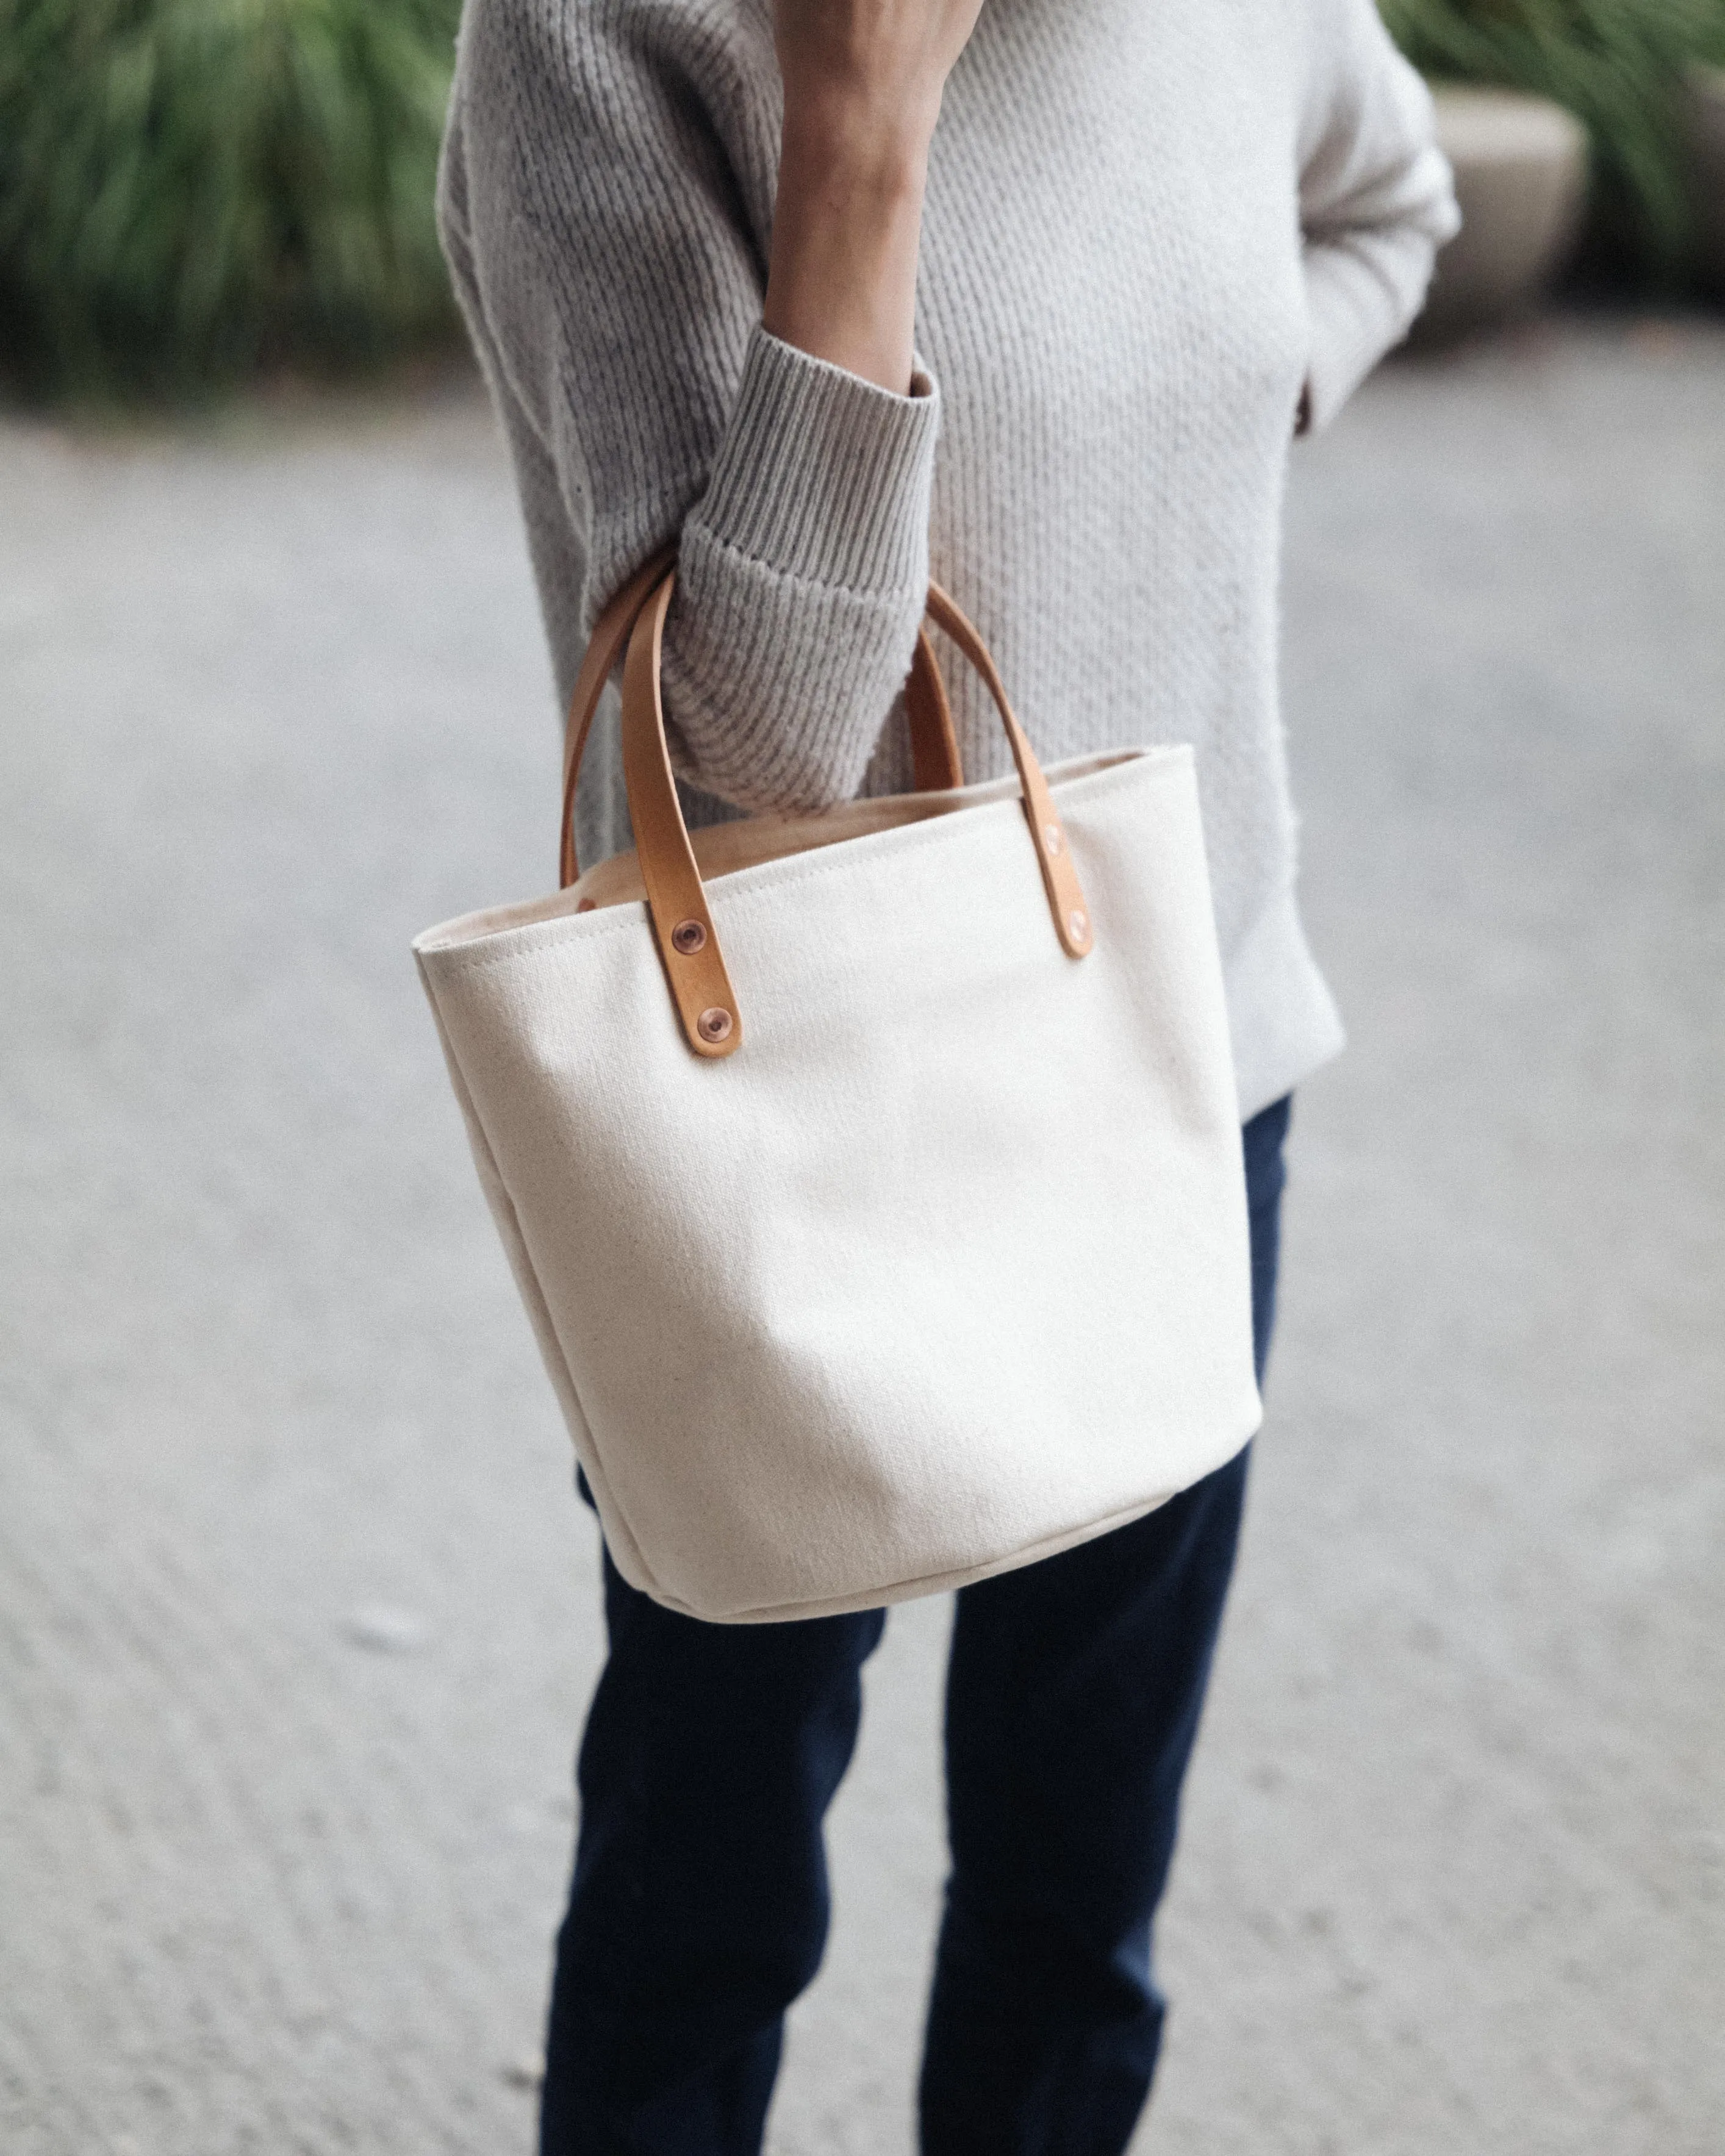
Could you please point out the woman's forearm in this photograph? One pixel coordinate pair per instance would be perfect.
(862, 84)
(843, 279)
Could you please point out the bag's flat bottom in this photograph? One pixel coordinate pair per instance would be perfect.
(910, 1590)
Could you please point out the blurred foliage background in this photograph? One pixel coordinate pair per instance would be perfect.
(191, 190)
(1620, 66)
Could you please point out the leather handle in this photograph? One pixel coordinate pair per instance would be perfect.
(934, 744)
(605, 648)
(676, 903)
(1054, 856)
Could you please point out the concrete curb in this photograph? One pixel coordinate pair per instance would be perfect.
(1520, 168)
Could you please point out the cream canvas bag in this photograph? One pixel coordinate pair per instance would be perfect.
(873, 1179)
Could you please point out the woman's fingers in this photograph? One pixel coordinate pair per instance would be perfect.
(882, 63)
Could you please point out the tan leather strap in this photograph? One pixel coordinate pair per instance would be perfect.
(934, 745)
(1060, 879)
(605, 648)
(676, 903)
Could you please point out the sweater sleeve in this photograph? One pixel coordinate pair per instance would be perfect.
(611, 203)
(1376, 201)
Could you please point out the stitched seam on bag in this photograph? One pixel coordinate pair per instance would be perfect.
(776, 876)
(538, 936)
(773, 876)
(799, 868)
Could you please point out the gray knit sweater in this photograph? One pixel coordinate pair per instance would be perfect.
(1148, 222)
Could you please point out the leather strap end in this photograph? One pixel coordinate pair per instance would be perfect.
(676, 903)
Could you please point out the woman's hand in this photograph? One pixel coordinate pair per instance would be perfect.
(862, 91)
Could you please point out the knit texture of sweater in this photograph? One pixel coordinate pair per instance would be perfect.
(1148, 224)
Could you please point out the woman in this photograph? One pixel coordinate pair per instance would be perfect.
(694, 240)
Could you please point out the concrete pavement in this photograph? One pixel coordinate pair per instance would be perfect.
(297, 1613)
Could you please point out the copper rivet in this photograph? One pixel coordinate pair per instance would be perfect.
(1078, 925)
(1051, 837)
(688, 937)
(714, 1025)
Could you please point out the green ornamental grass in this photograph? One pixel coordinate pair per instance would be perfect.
(1617, 65)
(190, 188)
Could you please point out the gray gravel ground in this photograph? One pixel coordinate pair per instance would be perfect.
(297, 1612)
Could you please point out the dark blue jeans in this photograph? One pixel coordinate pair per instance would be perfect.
(699, 1903)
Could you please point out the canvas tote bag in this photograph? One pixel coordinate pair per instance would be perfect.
(872, 1178)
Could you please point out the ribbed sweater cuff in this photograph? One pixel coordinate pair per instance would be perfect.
(823, 476)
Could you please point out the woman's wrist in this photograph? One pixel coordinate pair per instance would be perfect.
(863, 82)
(842, 279)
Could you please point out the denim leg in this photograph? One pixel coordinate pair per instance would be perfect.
(1264, 1140)
(1073, 1700)
(699, 1903)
